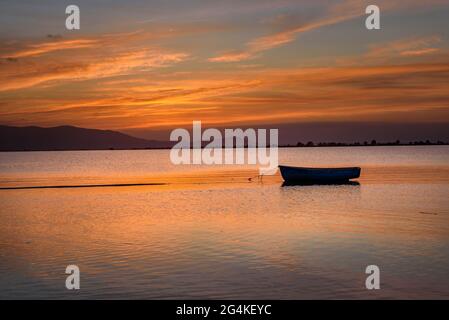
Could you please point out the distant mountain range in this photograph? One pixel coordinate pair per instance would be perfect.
(70, 138)
(73, 138)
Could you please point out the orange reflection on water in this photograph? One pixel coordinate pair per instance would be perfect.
(158, 232)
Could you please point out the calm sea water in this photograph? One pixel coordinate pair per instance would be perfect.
(219, 232)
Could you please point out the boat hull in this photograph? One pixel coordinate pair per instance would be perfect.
(303, 175)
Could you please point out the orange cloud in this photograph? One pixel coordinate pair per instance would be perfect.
(419, 52)
(409, 50)
(404, 47)
(232, 57)
(47, 47)
(31, 65)
(20, 75)
(120, 81)
(414, 92)
(341, 12)
(335, 14)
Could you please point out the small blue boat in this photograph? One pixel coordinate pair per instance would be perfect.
(301, 175)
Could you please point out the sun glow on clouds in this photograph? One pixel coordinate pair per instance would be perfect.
(259, 95)
(47, 47)
(166, 75)
(56, 62)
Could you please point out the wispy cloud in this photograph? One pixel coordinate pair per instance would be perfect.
(32, 74)
(96, 57)
(404, 47)
(419, 52)
(401, 51)
(335, 14)
(160, 75)
(333, 93)
(47, 47)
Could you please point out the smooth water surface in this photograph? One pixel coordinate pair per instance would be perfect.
(221, 232)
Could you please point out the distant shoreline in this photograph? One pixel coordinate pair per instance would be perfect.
(70, 138)
(318, 145)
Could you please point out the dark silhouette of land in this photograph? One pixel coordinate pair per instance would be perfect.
(70, 138)
(326, 132)
(367, 144)
(73, 138)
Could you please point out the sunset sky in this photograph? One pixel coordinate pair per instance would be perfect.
(146, 66)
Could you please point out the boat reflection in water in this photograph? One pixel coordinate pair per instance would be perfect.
(298, 183)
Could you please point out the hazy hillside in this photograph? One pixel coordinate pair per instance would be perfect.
(69, 138)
